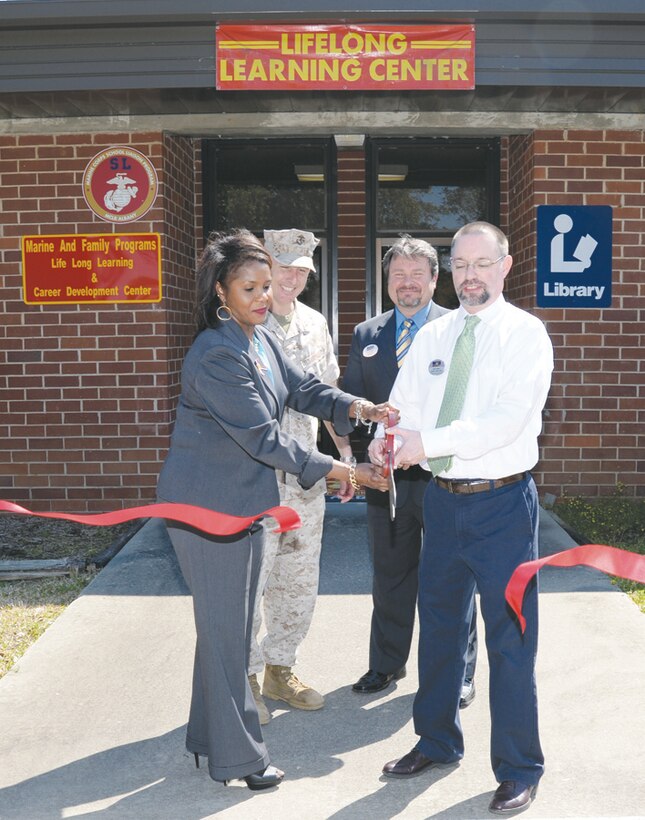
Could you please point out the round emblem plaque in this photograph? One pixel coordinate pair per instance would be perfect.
(120, 184)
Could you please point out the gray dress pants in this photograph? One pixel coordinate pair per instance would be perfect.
(222, 575)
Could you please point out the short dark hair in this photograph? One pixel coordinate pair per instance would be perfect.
(409, 247)
(223, 255)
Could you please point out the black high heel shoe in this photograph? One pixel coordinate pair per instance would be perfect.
(263, 780)
(259, 780)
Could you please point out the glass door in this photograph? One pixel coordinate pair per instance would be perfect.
(275, 185)
(428, 188)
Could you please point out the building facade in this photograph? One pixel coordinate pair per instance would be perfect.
(554, 117)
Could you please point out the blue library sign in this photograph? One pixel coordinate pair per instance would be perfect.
(574, 255)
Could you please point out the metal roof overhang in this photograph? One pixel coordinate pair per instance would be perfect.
(153, 62)
(487, 112)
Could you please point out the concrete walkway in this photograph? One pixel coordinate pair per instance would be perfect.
(93, 716)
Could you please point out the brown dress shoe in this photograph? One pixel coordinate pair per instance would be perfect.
(410, 765)
(512, 796)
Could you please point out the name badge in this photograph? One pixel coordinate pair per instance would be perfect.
(436, 367)
(369, 351)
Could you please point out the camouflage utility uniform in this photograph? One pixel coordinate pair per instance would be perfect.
(290, 564)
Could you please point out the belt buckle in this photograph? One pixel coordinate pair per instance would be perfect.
(469, 485)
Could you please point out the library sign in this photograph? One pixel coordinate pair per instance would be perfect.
(91, 268)
(345, 57)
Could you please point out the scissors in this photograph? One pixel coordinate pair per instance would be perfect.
(388, 468)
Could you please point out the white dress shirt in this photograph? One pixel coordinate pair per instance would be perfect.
(501, 419)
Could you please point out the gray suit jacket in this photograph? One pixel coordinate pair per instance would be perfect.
(226, 443)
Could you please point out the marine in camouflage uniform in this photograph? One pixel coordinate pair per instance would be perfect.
(291, 560)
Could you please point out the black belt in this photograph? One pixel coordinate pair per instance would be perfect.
(477, 485)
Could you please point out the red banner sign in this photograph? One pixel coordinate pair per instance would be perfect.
(345, 57)
(91, 268)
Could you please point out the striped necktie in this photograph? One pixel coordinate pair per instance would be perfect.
(403, 342)
(456, 384)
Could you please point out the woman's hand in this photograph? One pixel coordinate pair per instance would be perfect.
(368, 475)
(365, 411)
(358, 475)
(385, 413)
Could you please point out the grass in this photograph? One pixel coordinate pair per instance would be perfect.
(616, 520)
(27, 608)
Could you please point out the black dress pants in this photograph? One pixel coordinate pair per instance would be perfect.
(395, 548)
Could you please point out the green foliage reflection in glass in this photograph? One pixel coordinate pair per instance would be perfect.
(432, 208)
(256, 206)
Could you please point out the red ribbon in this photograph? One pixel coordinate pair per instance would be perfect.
(388, 467)
(611, 560)
(214, 523)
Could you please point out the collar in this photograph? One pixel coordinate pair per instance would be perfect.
(231, 330)
(419, 318)
(293, 327)
(488, 314)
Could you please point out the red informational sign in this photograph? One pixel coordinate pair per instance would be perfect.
(91, 268)
(345, 57)
(120, 184)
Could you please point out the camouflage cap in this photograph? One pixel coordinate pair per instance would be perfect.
(292, 247)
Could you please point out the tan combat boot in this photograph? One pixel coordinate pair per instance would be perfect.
(263, 712)
(281, 684)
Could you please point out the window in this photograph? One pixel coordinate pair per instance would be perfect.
(429, 188)
(262, 184)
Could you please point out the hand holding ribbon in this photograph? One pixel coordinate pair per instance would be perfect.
(410, 447)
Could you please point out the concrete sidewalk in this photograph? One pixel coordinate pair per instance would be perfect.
(93, 716)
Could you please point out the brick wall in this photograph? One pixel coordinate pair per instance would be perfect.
(594, 436)
(86, 391)
(182, 245)
(352, 226)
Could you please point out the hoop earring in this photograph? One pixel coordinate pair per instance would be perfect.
(224, 318)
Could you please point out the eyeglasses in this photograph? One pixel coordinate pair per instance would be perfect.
(479, 265)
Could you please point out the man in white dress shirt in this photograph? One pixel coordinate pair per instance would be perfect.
(480, 512)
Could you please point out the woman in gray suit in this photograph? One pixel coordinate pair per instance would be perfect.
(223, 454)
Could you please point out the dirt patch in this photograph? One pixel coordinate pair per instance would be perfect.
(32, 538)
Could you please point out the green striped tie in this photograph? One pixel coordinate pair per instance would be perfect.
(456, 384)
(403, 342)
